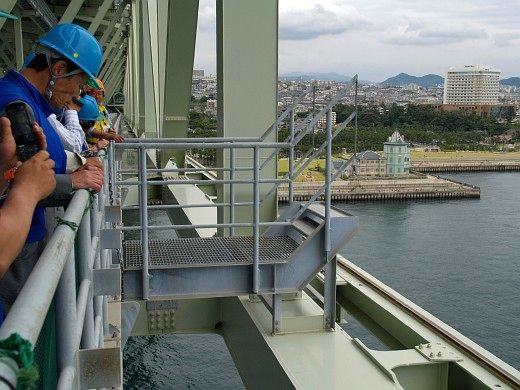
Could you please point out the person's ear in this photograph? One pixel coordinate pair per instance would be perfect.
(59, 68)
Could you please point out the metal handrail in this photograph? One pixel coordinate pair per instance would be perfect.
(81, 319)
(54, 276)
(248, 143)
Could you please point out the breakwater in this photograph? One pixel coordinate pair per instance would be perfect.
(462, 165)
(380, 189)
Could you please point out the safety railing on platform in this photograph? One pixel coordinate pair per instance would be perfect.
(232, 176)
(66, 273)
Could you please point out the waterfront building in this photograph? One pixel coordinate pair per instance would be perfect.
(471, 85)
(397, 152)
(369, 163)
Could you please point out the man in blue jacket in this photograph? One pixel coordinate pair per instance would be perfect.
(66, 58)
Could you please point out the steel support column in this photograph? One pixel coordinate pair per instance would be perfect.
(140, 64)
(150, 120)
(247, 30)
(180, 50)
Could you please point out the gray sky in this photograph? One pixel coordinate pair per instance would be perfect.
(380, 38)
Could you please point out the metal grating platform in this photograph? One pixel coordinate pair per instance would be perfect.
(204, 252)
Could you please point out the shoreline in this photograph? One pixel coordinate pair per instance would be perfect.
(465, 165)
(381, 189)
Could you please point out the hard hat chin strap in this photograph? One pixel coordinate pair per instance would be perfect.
(53, 78)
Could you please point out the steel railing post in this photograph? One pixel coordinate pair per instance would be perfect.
(143, 202)
(231, 190)
(256, 220)
(66, 314)
(111, 172)
(291, 159)
(328, 175)
(85, 248)
(329, 293)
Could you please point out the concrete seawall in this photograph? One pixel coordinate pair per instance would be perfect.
(461, 165)
(427, 187)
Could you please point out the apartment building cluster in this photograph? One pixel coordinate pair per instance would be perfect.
(474, 88)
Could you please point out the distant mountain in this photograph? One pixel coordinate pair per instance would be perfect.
(331, 76)
(430, 80)
(512, 81)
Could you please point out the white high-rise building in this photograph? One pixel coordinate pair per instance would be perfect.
(471, 84)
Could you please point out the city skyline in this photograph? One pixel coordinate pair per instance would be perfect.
(390, 37)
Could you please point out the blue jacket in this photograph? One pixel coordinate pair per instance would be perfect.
(14, 86)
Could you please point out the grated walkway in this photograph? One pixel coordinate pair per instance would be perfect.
(210, 251)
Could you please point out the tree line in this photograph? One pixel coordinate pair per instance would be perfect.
(456, 130)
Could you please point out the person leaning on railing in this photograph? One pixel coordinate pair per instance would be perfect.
(65, 58)
(33, 181)
(103, 128)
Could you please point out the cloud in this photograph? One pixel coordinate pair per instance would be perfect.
(207, 16)
(318, 20)
(506, 39)
(420, 34)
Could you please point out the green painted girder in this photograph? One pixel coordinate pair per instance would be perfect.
(180, 36)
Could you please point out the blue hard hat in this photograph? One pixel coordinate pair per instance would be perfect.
(89, 111)
(77, 45)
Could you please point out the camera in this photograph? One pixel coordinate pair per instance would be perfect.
(21, 116)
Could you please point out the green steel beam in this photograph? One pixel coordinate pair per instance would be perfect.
(157, 19)
(100, 15)
(115, 40)
(18, 42)
(116, 18)
(180, 49)
(254, 358)
(8, 16)
(131, 78)
(247, 73)
(159, 57)
(71, 11)
(7, 7)
(3, 56)
(148, 92)
(140, 70)
(114, 75)
(136, 92)
(115, 88)
(109, 66)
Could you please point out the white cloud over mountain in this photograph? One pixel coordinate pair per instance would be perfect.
(380, 38)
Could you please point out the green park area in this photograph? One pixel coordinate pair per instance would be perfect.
(314, 172)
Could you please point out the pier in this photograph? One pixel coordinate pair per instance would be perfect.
(368, 189)
(465, 165)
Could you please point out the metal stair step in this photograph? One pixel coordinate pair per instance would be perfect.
(305, 226)
(318, 209)
(207, 252)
